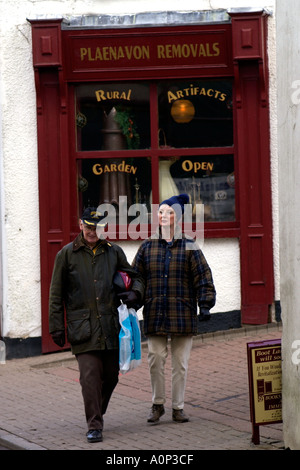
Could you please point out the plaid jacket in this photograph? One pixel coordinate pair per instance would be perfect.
(176, 279)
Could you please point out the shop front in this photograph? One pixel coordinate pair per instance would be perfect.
(128, 116)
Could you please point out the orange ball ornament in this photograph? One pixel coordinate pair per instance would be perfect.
(182, 111)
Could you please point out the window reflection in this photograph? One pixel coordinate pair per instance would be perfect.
(112, 116)
(116, 117)
(106, 181)
(208, 180)
(196, 113)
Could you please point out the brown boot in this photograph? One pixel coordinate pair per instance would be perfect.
(179, 416)
(156, 412)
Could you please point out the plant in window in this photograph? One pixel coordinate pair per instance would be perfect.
(125, 120)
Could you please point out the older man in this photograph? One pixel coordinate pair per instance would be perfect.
(82, 284)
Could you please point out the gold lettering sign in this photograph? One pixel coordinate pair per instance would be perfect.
(102, 95)
(143, 52)
(188, 165)
(123, 167)
(171, 51)
(109, 53)
(196, 91)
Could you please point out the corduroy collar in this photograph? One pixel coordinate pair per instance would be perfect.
(80, 242)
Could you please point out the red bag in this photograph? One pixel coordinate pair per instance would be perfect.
(122, 281)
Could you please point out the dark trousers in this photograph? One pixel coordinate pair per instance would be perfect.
(99, 374)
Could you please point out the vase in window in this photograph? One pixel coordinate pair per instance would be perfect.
(113, 183)
(167, 186)
(112, 135)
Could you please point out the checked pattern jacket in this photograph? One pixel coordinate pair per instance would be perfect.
(177, 278)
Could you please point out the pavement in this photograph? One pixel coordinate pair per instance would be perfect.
(41, 406)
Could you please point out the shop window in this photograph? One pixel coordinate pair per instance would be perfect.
(112, 116)
(142, 142)
(209, 180)
(114, 181)
(196, 113)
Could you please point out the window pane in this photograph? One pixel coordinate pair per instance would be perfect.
(195, 113)
(112, 116)
(208, 180)
(109, 181)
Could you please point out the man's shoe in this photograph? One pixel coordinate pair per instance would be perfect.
(179, 416)
(94, 435)
(156, 412)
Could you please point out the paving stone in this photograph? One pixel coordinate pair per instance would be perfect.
(42, 408)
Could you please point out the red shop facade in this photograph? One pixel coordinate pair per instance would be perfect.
(124, 113)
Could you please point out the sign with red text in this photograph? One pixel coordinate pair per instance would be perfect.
(265, 381)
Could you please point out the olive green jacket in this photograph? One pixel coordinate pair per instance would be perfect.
(82, 287)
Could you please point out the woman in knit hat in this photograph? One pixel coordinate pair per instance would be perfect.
(177, 279)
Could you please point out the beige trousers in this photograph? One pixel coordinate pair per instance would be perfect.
(157, 354)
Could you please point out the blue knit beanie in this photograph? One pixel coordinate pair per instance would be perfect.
(179, 202)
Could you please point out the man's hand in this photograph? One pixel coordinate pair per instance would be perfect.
(59, 338)
(129, 298)
(204, 314)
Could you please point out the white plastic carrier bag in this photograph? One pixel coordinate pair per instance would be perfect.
(130, 355)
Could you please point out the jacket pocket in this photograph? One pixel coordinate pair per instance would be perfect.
(187, 303)
(78, 326)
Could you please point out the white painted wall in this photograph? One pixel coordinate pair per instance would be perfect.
(224, 253)
(288, 73)
(20, 216)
